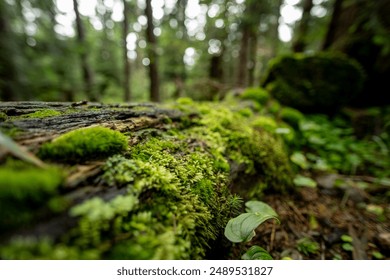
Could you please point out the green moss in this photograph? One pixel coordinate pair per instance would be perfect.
(321, 82)
(84, 144)
(3, 117)
(291, 116)
(267, 123)
(42, 114)
(24, 188)
(27, 248)
(175, 190)
(260, 95)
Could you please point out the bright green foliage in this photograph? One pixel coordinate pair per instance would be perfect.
(256, 253)
(291, 116)
(84, 144)
(321, 82)
(242, 228)
(27, 248)
(302, 181)
(260, 95)
(24, 188)
(332, 144)
(267, 123)
(307, 246)
(42, 114)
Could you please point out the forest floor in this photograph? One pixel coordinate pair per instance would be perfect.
(327, 222)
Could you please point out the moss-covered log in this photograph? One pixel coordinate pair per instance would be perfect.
(131, 181)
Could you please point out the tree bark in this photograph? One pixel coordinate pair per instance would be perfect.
(242, 74)
(152, 55)
(88, 75)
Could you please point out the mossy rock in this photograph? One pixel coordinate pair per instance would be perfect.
(259, 95)
(323, 82)
(84, 144)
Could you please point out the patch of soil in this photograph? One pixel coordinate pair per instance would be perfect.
(338, 220)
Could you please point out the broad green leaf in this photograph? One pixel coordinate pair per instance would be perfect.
(254, 206)
(18, 151)
(242, 228)
(302, 181)
(256, 253)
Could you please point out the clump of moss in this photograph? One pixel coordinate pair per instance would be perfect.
(291, 116)
(24, 187)
(84, 144)
(3, 116)
(323, 82)
(42, 114)
(260, 95)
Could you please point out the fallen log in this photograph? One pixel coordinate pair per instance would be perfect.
(132, 181)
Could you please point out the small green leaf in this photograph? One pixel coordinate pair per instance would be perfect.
(300, 160)
(346, 238)
(19, 151)
(242, 228)
(347, 247)
(256, 253)
(302, 181)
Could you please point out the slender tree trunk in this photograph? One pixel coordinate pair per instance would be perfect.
(152, 53)
(275, 30)
(331, 32)
(126, 78)
(88, 75)
(252, 59)
(8, 73)
(243, 58)
(301, 41)
(181, 74)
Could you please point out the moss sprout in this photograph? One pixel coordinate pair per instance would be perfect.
(42, 114)
(84, 144)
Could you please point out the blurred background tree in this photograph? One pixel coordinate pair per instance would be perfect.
(158, 50)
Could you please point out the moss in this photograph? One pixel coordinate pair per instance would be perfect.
(267, 123)
(24, 188)
(84, 144)
(3, 117)
(323, 82)
(291, 116)
(42, 114)
(260, 95)
(27, 248)
(175, 187)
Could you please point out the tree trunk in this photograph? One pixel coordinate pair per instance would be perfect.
(301, 40)
(8, 71)
(88, 75)
(331, 32)
(152, 54)
(242, 74)
(126, 72)
(275, 30)
(252, 59)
